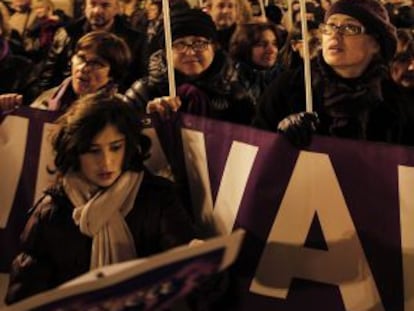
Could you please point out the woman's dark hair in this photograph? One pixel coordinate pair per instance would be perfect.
(110, 48)
(246, 36)
(85, 119)
(274, 13)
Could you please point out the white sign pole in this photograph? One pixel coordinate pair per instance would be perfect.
(306, 57)
(168, 47)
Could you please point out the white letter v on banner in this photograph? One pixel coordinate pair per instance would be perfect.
(221, 215)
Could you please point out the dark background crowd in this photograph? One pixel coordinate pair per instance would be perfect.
(39, 37)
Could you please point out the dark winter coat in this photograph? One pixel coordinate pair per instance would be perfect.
(15, 72)
(216, 93)
(55, 251)
(256, 80)
(367, 107)
(56, 67)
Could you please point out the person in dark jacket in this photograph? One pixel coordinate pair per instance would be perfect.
(98, 64)
(40, 34)
(99, 15)
(227, 14)
(351, 89)
(15, 70)
(105, 206)
(206, 80)
(255, 48)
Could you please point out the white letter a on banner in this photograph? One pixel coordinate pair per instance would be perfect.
(314, 190)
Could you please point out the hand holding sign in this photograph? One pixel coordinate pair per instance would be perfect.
(299, 127)
(10, 101)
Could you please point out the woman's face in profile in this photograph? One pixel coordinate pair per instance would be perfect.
(192, 55)
(102, 163)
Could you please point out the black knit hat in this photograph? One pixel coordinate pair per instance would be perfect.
(192, 22)
(375, 19)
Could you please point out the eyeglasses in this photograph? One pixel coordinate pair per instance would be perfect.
(196, 46)
(93, 64)
(345, 29)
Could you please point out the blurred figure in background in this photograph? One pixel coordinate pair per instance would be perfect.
(150, 21)
(291, 54)
(15, 70)
(402, 67)
(21, 19)
(226, 14)
(401, 13)
(129, 8)
(41, 32)
(404, 39)
(255, 48)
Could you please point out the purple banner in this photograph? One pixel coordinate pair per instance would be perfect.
(327, 228)
(22, 137)
(324, 225)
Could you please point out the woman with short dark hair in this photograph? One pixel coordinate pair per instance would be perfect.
(99, 64)
(104, 208)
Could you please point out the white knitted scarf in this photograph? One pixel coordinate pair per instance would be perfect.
(101, 215)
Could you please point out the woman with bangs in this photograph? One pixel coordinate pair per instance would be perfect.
(99, 64)
(255, 48)
(104, 208)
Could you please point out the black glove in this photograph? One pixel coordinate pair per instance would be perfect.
(299, 127)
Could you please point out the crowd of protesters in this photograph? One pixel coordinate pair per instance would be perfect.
(239, 51)
(230, 62)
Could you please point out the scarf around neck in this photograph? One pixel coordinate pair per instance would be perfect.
(100, 214)
(349, 101)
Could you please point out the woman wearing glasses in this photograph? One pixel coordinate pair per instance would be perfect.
(206, 80)
(100, 60)
(352, 96)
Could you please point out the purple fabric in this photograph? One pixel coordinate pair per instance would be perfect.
(194, 100)
(367, 174)
(55, 102)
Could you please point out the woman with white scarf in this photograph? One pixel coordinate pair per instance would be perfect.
(105, 206)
